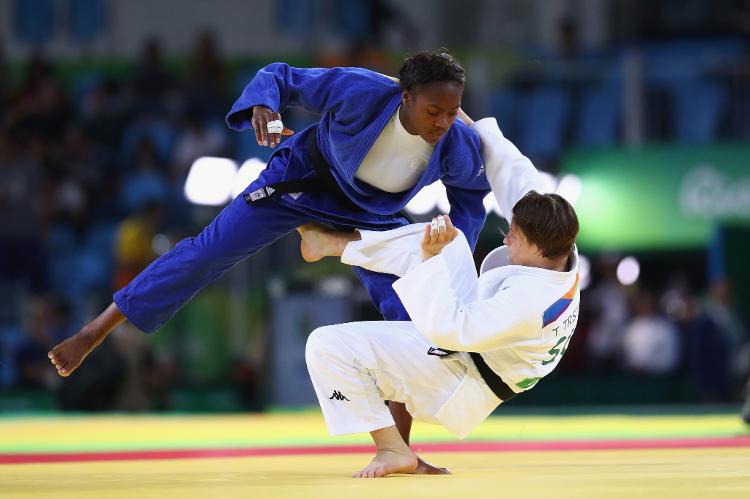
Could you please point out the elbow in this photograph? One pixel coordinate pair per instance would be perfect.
(446, 335)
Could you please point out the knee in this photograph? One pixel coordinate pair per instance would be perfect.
(320, 345)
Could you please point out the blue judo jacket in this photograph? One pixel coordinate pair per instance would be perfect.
(355, 105)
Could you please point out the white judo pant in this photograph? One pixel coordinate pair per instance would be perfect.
(355, 367)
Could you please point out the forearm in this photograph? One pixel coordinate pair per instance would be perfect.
(510, 174)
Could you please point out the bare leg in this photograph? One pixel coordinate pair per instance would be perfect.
(403, 421)
(319, 241)
(392, 456)
(68, 355)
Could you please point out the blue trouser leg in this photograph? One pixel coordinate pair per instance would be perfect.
(240, 230)
(380, 288)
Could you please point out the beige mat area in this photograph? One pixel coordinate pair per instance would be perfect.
(664, 474)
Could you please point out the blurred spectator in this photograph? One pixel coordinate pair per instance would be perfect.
(720, 309)
(96, 385)
(152, 83)
(41, 108)
(22, 255)
(735, 78)
(146, 378)
(5, 81)
(105, 112)
(146, 182)
(89, 167)
(365, 54)
(198, 139)
(714, 339)
(46, 322)
(206, 83)
(651, 344)
(608, 303)
(134, 242)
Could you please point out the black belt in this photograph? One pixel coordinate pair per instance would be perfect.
(495, 382)
(323, 181)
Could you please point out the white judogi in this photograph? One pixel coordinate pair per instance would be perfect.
(519, 318)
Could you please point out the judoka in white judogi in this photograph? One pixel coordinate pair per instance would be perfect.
(519, 318)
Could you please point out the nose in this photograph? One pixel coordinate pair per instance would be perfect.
(443, 122)
(506, 241)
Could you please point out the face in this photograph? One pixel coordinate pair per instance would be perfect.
(520, 250)
(431, 109)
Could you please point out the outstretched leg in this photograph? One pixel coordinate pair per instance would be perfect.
(392, 455)
(153, 296)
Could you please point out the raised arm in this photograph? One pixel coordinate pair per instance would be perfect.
(318, 90)
(510, 174)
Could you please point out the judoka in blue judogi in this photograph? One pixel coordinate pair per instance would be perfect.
(369, 123)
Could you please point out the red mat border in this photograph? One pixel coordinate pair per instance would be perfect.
(575, 445)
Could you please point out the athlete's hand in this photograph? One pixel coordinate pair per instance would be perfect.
(262, 116)
(437, 235)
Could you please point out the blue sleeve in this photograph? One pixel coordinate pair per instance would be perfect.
(466, 186)
(467, 211)
(318, 90)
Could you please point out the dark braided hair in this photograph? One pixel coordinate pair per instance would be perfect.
(428, 67)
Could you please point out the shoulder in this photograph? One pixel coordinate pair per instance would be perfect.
(461, 130)
(364, 77)
(461, 147)
(460, 139)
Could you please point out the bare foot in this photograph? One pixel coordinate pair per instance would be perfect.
(68, 355)
(389, 461)
(425, 468)
(319, 241)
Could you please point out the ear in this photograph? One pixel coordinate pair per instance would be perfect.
(406, 98)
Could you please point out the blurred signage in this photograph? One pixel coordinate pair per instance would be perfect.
(659, 197)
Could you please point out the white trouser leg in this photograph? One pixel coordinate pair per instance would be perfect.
(355, 367)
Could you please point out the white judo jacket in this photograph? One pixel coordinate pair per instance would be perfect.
(521, 319)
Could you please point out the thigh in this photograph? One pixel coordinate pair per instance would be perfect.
(241, 229)
(396, 356)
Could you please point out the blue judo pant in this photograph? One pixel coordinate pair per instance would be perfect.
(240, 230)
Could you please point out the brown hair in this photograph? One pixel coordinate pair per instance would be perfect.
(548, 221)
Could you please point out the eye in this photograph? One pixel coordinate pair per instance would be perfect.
(432, 113)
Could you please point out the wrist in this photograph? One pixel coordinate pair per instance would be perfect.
(426, 255)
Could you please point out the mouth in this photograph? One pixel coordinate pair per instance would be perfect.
(434, 136)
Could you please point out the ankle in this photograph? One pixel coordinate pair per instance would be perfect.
(396, 448)
(94, 333)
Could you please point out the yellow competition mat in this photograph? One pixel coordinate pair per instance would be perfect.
(290, 456)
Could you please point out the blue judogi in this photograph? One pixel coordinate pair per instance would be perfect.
(355, 104)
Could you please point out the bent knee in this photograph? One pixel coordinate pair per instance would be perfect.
(319, 343)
